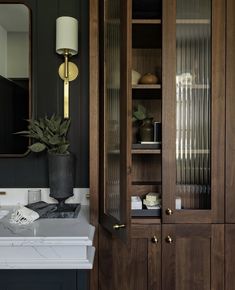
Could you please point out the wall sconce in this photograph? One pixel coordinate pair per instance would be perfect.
(67, 45)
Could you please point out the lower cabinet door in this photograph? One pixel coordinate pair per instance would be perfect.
(145, 257)
(132, 266)
(193, 257)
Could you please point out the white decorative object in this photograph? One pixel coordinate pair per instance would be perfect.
(23, 216)
(184, 79)
(136, 202)
(135, 77)
(178, 203)
(152, 199)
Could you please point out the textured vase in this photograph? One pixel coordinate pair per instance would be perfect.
(61, 175)
(146, 130)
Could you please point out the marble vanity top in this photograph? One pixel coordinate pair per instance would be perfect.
(47, 243)
(48, 231)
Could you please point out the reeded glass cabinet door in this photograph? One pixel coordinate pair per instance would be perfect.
(113, 116)
(197, 84)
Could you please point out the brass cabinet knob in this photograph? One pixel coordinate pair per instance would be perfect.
(117, 226)
(169, 211)
(154, 239)
(169, 240)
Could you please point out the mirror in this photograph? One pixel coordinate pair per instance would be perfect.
(15, 79)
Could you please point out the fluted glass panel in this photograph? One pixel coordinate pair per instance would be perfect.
(193, 104)
(112, 107)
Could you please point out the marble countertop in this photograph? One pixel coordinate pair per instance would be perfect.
(47, 243)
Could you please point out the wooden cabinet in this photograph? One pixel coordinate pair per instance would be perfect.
(183, 44)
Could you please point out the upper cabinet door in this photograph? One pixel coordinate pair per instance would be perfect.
(193, 110)
(114, 122)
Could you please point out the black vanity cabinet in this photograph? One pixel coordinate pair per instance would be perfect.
(43, 279)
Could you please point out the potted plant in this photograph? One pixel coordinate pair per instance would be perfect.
(50, 134)
(142, 123)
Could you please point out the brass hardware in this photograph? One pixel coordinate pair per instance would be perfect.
(154, 239)
(117, 227)
(169, 211)
(72, 71)
(68, 72)
(169, 240)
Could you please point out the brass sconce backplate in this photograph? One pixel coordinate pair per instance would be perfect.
(72, 71)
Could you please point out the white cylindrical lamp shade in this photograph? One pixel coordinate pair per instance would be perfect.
(66, 35)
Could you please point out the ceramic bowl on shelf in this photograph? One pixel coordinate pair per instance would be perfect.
(148, 79)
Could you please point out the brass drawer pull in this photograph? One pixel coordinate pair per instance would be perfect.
(169, 240)
(154, 239)
(169, 211)
(117, 226)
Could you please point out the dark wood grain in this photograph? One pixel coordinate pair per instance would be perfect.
(94, 130)
(218, 110)
(218, 257)
(195, 259)
(168, 108)
(229, 256)
(230, 113)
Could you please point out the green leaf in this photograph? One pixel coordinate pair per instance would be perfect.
(39, 132)
(63, 149)
(37, 147)
(22, 132)
(64, 127)
(54, 140)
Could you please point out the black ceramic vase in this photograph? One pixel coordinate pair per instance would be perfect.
(61, 176)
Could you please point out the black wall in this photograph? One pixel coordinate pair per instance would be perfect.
(47, 92)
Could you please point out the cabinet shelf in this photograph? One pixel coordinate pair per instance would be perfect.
(193, 21)
(146, 212)
(146, 21)
(146, 87)
(146, 151)
(146, 183)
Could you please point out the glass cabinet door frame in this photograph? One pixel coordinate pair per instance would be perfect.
(216, 211)
(118, 226)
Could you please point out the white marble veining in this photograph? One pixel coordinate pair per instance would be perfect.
(72, 257)
(47, 243)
